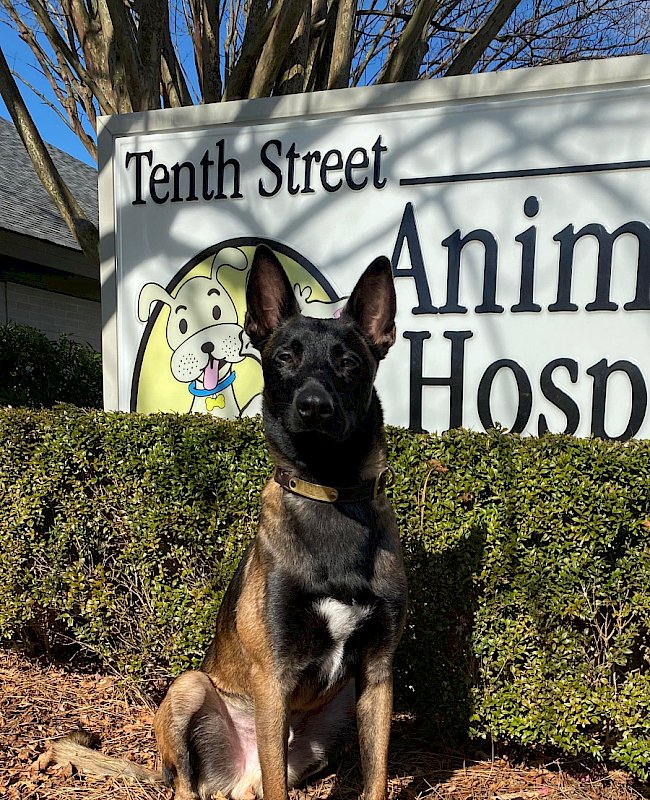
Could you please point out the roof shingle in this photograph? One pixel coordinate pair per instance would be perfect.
(25, 206)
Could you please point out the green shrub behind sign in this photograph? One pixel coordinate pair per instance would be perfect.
(37, 372)
(528, 563)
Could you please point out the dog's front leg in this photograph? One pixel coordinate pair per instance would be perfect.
(272, 732)
(374, 710)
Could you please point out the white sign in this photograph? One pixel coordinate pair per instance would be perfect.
(515, 207)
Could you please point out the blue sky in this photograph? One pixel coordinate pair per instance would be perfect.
(52, 128)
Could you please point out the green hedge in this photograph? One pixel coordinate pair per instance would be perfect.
(528, 563)
(37, 372)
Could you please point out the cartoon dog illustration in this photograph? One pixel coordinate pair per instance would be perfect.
(205, 337)
(317, 308)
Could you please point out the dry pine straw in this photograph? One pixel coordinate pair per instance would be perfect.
(39, 701)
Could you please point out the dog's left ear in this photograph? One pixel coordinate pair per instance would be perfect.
(372, 305)
(269, 296)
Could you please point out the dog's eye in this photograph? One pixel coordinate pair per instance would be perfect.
(182, 325)
(348, 362)
(284, 357)
(216, 312)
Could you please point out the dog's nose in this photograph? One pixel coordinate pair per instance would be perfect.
(314, 405)
(207, 347)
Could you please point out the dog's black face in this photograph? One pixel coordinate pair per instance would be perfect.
(318, 374)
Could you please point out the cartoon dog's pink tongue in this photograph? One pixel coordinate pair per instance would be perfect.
(211, 374)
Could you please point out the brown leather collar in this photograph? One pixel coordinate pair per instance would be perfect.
(366, 490)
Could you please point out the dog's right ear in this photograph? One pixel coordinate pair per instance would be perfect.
(373, 305)
(269, 296)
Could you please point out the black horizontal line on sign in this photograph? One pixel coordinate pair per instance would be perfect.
(524, 173)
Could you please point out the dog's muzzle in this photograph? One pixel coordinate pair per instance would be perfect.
(313, 405)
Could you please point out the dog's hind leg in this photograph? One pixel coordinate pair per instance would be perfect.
(198, 742)
(317, 735)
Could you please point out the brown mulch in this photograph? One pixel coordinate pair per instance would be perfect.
(40, 701)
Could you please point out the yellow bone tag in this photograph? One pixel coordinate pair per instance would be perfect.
(218, 401)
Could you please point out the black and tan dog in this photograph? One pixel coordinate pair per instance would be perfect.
(308, 627)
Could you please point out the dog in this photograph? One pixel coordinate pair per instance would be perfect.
(308, 627)
(205, 337)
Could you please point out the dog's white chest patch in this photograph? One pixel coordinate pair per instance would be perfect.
(342, 620)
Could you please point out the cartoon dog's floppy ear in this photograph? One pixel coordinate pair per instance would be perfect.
(228, 257)
(373, 305)
(150, 293)
(269, 296)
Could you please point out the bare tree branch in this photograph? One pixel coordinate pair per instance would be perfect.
(175, 89)
(205, 19)
(67, 89)
(258, 27)
(394, 14)
(80, 226)
(94, 32)
(289, 15)
(43, 99)
(377, 40)
(61, 48)
(394, 69)
(474, 47)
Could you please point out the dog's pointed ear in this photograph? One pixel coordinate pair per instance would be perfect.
(373, 305)
(269, 296)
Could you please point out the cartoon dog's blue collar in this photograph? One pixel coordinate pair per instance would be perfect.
(225, 383)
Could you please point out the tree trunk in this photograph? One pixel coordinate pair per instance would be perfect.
(342, 48)
(401, 55)
(276, 46)
(294, 68)
(474, 47)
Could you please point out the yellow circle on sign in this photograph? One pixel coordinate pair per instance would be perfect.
(203, 307)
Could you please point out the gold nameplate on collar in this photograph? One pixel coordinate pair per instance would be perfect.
(313, 491)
